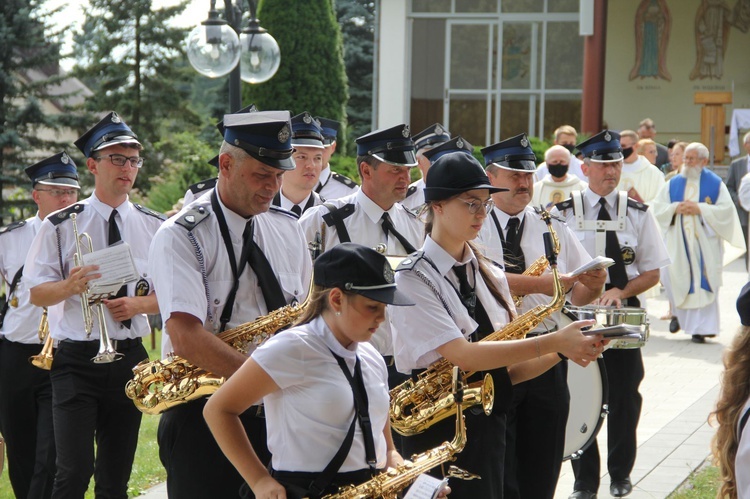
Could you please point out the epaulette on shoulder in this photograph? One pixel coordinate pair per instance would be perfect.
(282, 211)
(411, 190)
(203, 185)
(564, 205)
(13, 226)
(337, 213)
(344, 180)
(632, 203)
(193, 217)
(150, 212)
(412, 213)
(65, 213)
(410, 261)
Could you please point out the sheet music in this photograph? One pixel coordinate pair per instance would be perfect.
(600, 262)
(426, 487)
(116, 265)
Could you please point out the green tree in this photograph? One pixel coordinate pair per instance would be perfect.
(357, 21)
(311, 76)
(134, 61)
(30, 79)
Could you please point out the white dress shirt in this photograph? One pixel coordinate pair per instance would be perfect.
(55, 245)
(183, 285)
(417, 333)
(416, 200)
(309, 417)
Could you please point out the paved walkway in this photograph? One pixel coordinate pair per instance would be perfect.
(679, 392)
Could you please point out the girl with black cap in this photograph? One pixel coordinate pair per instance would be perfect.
(462, 297)
(325, 388)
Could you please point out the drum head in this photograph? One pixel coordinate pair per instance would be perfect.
(588, 406)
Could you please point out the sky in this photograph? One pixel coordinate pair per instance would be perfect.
(196, 12)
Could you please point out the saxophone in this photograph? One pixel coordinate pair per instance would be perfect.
(387, 484)
(417, 405)
(540, 264)
(161, 384)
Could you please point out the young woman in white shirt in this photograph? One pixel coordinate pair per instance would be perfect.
(457, 195)
(309, 401)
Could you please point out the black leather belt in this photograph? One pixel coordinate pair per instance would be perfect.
(118, 345)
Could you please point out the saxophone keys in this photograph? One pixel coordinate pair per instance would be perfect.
(456, 472)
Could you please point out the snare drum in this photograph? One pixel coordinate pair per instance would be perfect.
(589, 395)
(612, 316)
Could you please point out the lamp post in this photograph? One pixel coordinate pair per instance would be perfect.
(219, 46)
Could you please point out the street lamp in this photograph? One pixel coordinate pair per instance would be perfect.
(216, 46)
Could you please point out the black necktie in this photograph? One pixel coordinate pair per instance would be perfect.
(269, 285)
(388, 228)
(113, 236)
(297, 210)
(512, 253)
(473, 305)
(618, 276)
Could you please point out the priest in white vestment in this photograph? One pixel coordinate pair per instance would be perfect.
(697, 215)
(639, 177)
(556, 186)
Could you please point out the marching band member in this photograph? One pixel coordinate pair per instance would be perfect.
(462, 298)
(610, 224)
(332, 185)
(539, 412)
(88, 402)
(226, 259)
(324, 386)
(296, 193)
(25, 390)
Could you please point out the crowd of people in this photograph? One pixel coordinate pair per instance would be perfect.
(393, 278)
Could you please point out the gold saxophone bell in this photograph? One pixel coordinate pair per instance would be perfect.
(43, 360)
(106, 352)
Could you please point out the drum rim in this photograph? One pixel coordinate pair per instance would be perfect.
(604, 412)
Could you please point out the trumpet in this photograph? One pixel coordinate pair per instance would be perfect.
(106, 352)
(43, 360)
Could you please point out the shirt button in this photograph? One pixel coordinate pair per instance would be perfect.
(463, 331)
(216, 301)
(122, 327)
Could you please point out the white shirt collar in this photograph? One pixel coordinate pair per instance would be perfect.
(503, 217)
(324, 174)
(105, 210)
(319, 326)
(235, 222)
(373, 211)
(443, 260)
(592, 199)
(287, 204)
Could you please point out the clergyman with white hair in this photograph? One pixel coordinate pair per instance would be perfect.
(697, 215)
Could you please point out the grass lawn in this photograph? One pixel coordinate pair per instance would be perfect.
(702, 484)
(147, 469)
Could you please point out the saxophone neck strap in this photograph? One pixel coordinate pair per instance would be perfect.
(9, 296)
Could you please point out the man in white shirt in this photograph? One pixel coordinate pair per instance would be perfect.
(296, 193)
(25, 389)
(565, 136)
(332, 185)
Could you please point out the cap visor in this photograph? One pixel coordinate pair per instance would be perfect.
(281, 164)
(308, 143)
(390, 296)
(60, 182)
(515, 165)
(122, 139)
(398, 158)
(607, 157)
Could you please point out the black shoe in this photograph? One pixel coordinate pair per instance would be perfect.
(621, 488)
(674, 325)
(582, 494)
(697, 338)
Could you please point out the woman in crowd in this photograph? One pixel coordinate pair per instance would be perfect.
(463, 297)
(317, 380)
(731, 443)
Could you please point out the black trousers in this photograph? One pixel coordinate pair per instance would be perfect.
(26, 421)
(89, 405)
(196, 466)
(535, 436)
(624, 374)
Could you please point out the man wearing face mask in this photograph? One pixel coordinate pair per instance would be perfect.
(557, 185)
(639, 177)
(565, 136)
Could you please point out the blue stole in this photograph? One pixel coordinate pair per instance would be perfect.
(709, 184)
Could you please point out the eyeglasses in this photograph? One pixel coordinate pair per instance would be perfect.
(476, 204)
(120, 160)
(58, 193)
